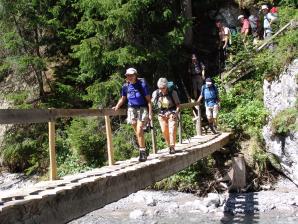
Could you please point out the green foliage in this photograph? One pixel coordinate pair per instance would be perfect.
(188, 126)
(260, 157)
(18, 98)
(242, 108)
(271, 64)
(87, 140)
(190, 179)
(25, 148)
(67, 161)
(285, 121)
(124, 142)
(103, 94)
(290, 3)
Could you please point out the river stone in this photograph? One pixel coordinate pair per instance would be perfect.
(279, 95)
(198, 205)
(172, 208)
(138, 198)
(212, 200)
(150, 201)
(136, 214)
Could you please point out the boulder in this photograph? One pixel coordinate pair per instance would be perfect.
(281, 94)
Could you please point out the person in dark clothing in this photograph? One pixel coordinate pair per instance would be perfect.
(197, 72)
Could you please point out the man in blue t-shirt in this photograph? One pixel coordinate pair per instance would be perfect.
(210, 94)
(136, 92)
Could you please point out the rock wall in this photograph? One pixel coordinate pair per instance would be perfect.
(279, 95)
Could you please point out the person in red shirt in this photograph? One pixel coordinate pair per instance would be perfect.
(245, 26)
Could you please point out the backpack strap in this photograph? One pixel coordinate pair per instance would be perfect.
(158, 95)
(139, 87)
(171, 96)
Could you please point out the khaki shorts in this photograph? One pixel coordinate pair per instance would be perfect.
(137, 114)
(211, 112)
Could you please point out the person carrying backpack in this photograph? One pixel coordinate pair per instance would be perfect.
(167, 101)
(211, 99)
(197, 72)
(269, 18)
(136, 92)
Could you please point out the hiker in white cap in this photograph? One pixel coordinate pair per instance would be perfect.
(269, 18)
(136, 93)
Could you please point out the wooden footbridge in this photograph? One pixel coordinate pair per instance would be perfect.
(62, 200)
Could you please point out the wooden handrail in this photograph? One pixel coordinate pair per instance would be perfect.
(265, 42)
(17, 116)
(25, 116)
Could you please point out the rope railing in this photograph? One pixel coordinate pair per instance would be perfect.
(29, 116)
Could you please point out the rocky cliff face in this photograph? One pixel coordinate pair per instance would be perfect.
(279, 95)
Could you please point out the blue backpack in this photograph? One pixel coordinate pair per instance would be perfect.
(214, 88)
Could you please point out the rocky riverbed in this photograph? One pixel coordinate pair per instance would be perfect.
(277, 205)
(273, 206)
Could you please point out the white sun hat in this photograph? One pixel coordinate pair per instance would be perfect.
(241, 16)
(131, 71)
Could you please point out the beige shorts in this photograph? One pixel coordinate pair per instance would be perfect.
(137, 114)
(211, 112)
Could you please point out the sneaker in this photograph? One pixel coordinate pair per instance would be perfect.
(143, 156)
(172, 150)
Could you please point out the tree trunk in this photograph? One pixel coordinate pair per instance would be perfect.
(187, 13)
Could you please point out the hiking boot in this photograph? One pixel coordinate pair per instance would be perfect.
(143, 156)
(172, 150)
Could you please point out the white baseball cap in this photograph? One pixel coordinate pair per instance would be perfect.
(131, 71)
(264, 7)
(241, 16)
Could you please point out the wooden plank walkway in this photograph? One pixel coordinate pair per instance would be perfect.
(75, 195)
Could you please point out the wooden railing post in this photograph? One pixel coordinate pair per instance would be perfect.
(109, 141)
(153, 137)
(53, 165)
(180, 127)
(198, 121)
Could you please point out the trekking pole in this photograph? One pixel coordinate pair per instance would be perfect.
(153, 137)
(180, 128)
